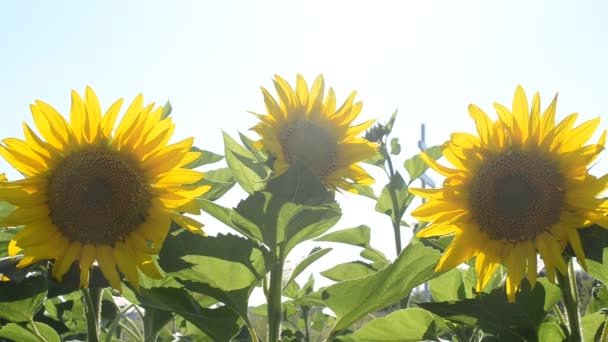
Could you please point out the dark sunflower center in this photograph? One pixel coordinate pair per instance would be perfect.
(517, 195)
(310, 144)
(98, 196)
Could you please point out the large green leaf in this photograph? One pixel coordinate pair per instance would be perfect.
(448, 286)
(246, 169)
(219, 180)
(357, 236)
(353, 299)
(551, 331)
(226, 262)
(237, 300)
(598, 300)
(225, 216)
(20, 301)
(313, 256)
(591, 325)
(295, 207)
(348, 271)
(27, 332)
(416, 167)
(394, 206)
(206, 157)
(228, 271)
(414, 324)
(598, 270)
(260, 155)
(220, 323)
(494, 315)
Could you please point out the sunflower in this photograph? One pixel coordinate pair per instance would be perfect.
(520, 187)
(306, 128)
(89, 195)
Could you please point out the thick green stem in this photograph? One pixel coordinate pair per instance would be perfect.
(396, 217)
(567, 284)
(397, 214)
(92, 301)
(34, 330)
(274, 296)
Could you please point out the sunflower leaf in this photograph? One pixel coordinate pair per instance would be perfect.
(220, 181)
(551, 331)
(226, 262)
(27, 332)
(413, 324)
(246, 169)
(167, 109)
(494, 315)
(294, 207)
(394, 207)
(313, 256)
(206, 157)
(598, 300)
(416, 167)
(348, 271)
(19, 302)
(414, 266)
(598, 270)
(592, 325)
(358, 236)
(395, 146)
(448, 286)
(220, 323)
(260, 155)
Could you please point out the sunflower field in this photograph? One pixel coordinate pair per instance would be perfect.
(102, 240)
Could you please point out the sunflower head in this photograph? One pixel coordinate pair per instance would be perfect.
(95, 194)
(304, 127)
(518, 188)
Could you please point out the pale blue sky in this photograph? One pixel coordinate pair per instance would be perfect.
(430, 59)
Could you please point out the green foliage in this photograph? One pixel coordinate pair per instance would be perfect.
(416, 167)
(313, 256)
(394, 198)
(248, 171)
(494, 315)
(20, 301)
(167, 109)
(294, 207)
(29, 332)
(386, 287)
(220, 323)
(414, 324)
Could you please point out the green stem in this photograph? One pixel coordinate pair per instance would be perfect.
(92, 313)
(114, 324)
(274, 295)
(396, 217)
(305, 311)
(559, 315)
(567, 283)
(34, 330)
(254, 336)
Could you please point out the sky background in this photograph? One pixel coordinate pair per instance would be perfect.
(428, 59)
